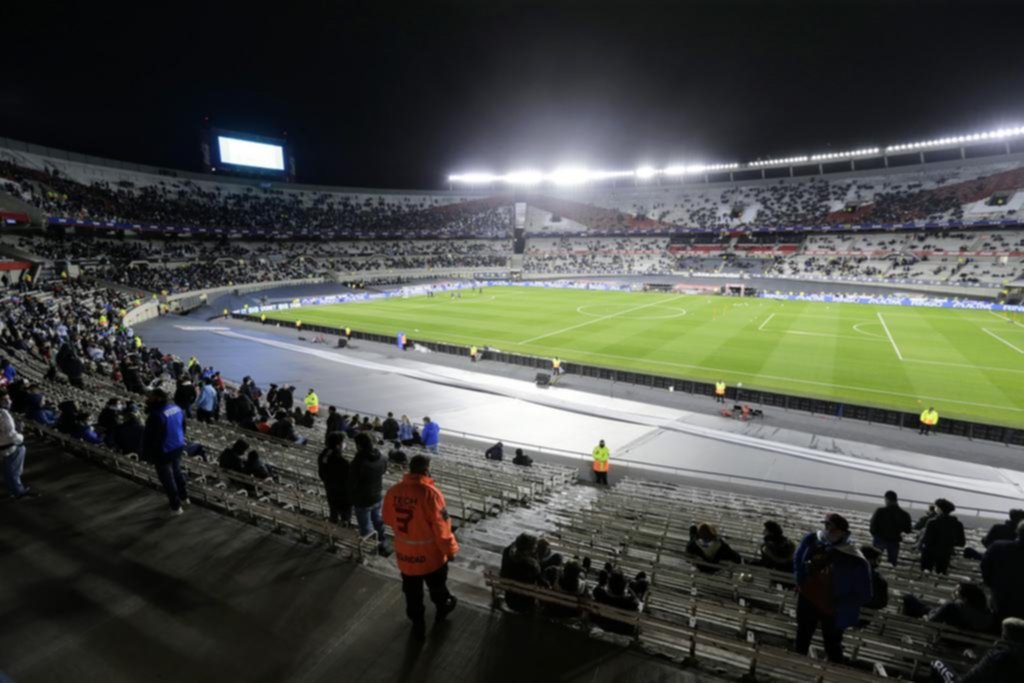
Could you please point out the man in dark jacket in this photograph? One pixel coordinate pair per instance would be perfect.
(519, 563)
(334, 473)
(286, 397)
(366, 475)
(706, 546)
(232, 457)
(164, 444)
(888, 524)
(968, 610)
(616, 593)
(1004, 531)
(1003, 663)
(284, 428)
(335, 421)
(185, 395)
(522, 459)
(129, 433)
(495, 452)
(834, 581)
(942, 534)
(389, 428)
(776, 550)
(1002, 570)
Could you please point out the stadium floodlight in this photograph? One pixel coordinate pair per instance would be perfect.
(646, 172)
(474, 178)
(524, 177)
(833, 156)
(998, 134)
(570, 175)
(778, 162)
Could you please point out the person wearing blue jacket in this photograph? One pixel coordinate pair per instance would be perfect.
(431, 435)
(833, 581)
(163, 444)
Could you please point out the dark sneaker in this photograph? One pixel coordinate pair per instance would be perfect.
(446, 609)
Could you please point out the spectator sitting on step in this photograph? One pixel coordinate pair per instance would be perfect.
(37, 408)
(255, 466)
(397, 455)
(522, 459)
(707, 547)
(284, 428)
(519, 563)
(377, 425)
(129, 432)
(545, 556)
(231, 457)
(968, 610)
(777, 549)
(571, 579)
(1004, 662)
(67, 417)
(107, 421)
(616, 593)
(495, 452)
(263, 422)
(83, 431)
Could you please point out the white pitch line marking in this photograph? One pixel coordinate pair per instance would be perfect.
(889, 335)
(856, 328)
(996, 336)
(591, 322)
(766, 321)
(1003, 317)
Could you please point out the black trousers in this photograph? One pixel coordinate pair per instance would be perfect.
(807, 620)
(437, 586)
(935, 560)
(601, 478)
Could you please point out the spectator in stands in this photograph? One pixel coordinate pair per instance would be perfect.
(1002, 570)
(334, 421)
(708, 548)
(522, 459)
(231, 457)
(256, 467)
(923, 520)
(495, 452)
(1003, 663)
(879, 586)
(397, 455)
(834, 581)
(366, 475)
(569, 579)
(967, 610)
(546, 557)
(1004, 531)
(389, 428)
(776, 549)
(129, 435)
(405, 431)
(431, 435)
(888, 524)
(284, 428)
(616, 593)
(164, 444)
(37, 408)
(206, 402)
(424, 543)
(942, 534)
(12, 450)
(107, 421)
(286, 397)
(519, 563)
(333, 469)
(83, 430)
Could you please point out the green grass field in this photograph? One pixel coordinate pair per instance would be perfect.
(968, 364)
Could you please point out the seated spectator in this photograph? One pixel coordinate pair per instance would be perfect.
(519, 563)
(82, 430)
(495, 452)
(777, 550)
(263, 423)
(405, 431)
(129, 432)
(616, 593)
(231, 457)
(522, 459)
(397, 455)
(706, 546)
(1004, 531)
(1003, 663)
(107, 421)
(545, 556)
(255, 466)
(967, 610)
(284, 428)
(569, 579)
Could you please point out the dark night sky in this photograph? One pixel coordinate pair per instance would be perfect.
(398, 95)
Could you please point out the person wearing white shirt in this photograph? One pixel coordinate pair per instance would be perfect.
(12, 450)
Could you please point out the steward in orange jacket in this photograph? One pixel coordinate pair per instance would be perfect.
(424, 543)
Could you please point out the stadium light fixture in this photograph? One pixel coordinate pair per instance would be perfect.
(524, 177)
(998, 134)
(646, 172)
(833, 156)
(570, 175)
(473, 178)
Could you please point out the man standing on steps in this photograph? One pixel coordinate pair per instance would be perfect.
(163, 444)
(424, 543)
(601, 455)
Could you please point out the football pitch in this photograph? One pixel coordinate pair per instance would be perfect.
(967, 364)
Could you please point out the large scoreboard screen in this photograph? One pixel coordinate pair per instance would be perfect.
(249, 153)
(231, 152)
